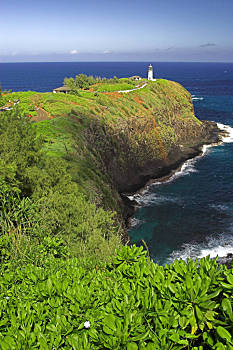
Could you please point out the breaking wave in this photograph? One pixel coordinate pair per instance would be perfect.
(145, 197)
(149, 198)
(197, 98)
(213, 246)
(135, 222)
(228, 138)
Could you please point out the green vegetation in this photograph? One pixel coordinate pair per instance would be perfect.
(66, 281)
(40, 199)
(131, 303)
(113, 87)
(83, 82)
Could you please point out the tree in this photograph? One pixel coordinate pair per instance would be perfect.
(81, 81)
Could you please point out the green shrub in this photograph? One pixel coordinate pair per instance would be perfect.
(38, 198)
(129, 304)
(19, 149)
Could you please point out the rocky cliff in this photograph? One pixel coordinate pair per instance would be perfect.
(146, 134)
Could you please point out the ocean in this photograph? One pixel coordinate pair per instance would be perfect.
(191, 214)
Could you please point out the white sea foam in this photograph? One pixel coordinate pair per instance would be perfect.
(137, 196)
(229, 130)
(197, 98)
(135, 222)
(205, 149)
(132, 197)
(153, 198)
(189, 166)
(146, 197)
(213, 246)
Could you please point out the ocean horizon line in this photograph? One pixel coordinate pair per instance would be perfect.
(210, 62)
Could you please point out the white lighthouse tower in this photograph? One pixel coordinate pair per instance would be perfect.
(150, 73)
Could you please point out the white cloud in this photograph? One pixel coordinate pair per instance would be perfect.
(107, 52)
(73, 52)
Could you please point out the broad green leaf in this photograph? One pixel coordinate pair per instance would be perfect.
(4, 345)
(109, 321)
(223, 333)
(230, 279)
(226, 285)
(175, 337)
(75, 342)
(208, 339)
(219, 346)
(199, 313)
(108, 330)
(226, 305)
(152, 346)
(132, 346)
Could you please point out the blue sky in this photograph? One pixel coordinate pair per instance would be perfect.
(116, 30)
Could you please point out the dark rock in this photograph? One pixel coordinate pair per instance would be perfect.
(226, 260)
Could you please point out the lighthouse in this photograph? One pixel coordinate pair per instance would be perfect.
(150, 73)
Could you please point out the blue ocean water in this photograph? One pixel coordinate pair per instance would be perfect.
(47, 76)
(191, 215)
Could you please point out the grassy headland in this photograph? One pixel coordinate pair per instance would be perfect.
(120, 131)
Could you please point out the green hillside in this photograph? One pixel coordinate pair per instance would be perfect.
(130, 127)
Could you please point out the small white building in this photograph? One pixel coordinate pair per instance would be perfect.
(150, 73)
(62, 89)
(136, 77)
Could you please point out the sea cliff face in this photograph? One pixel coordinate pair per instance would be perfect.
(150, 133)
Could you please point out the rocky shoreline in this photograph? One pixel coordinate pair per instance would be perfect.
(161, 171)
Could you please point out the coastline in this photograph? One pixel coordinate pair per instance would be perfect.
(164, 174)
(223, 135)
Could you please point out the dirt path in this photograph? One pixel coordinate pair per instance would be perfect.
(137, 88)
(41, 115)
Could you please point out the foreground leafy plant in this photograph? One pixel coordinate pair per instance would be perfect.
(129, 304)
